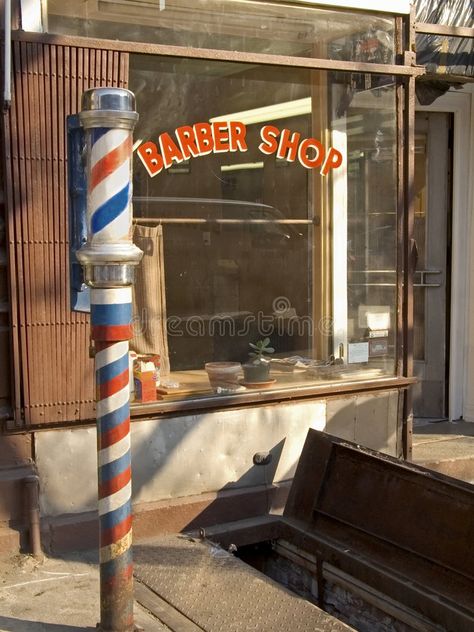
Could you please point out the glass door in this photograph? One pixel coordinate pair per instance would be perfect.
(431, 280)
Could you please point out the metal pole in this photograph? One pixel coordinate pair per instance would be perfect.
(32, 495)
(109, 257)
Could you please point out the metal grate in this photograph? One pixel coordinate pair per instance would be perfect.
(219, 593)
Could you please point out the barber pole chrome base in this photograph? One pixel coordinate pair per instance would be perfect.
(111, 314)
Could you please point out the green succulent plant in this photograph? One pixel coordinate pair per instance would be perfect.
(260, 348)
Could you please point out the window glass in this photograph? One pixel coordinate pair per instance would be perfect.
(443, 55)
(265, 202)
(420, 225)
(236, 25)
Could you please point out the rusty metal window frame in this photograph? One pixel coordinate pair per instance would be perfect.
(441, 29)
(262, 398)
(405, 69)
(405, 73)
(406, 165)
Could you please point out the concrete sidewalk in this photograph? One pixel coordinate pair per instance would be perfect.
(55, 595)
(191, 584)
(444, 446)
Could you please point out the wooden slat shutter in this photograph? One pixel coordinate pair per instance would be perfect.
(53, 372)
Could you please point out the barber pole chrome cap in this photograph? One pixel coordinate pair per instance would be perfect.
(108, 107)
(109, 256)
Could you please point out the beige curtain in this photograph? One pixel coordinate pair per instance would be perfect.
(149, 301)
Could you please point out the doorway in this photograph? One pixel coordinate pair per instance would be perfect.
(432, 287)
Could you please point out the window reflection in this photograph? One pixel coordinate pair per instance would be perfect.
(266, 27)
(254, 246)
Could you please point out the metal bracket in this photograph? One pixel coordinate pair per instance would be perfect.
(423, 282)
(409, 58)
(77, 193)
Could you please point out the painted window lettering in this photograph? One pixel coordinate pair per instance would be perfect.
(289, 146)
(202, 139)
(191, 142)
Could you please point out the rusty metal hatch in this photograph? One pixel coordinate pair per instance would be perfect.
(403, 530)
(397, 533)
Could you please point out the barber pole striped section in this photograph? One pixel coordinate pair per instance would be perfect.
(111, 330)
(111, 313)
(110, 188)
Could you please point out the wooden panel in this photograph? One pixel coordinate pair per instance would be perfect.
(4, 313)
(53, 372)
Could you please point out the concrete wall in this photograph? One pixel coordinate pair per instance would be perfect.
(15, 464)
(210, 452)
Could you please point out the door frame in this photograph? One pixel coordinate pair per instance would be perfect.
(459, 104)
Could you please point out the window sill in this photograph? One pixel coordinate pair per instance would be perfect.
(205, 399)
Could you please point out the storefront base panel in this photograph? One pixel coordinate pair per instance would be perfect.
(180, 457)
(373, 421)
(197, 470)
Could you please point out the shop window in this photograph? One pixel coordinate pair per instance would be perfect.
(233, 25)
(265, 196)
(265, 200)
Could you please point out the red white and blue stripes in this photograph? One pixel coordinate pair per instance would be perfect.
(111, 330)
(111, 313)
(109, 186)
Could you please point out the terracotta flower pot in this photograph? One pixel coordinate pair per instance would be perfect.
(223, 375)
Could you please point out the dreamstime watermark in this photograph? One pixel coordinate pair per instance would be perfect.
(282, 321)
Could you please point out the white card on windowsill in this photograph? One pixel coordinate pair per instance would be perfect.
(358, 352)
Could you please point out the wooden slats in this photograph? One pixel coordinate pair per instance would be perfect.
(53, 372)
(12, 177)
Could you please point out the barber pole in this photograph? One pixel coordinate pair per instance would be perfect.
(109, 256)
(114, 460)
(109, 186)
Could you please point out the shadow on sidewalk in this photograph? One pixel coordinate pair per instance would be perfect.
(9, 624)
(439, 428)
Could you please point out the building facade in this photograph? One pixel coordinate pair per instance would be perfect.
(281, 183)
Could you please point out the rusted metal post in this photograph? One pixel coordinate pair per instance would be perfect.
(32, 498)
(108, 258)
(409, 223)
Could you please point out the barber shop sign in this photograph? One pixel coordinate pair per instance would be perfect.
(201, 139)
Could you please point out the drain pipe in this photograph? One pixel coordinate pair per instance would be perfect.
(109, 258)
(7, 54)
(32, 499)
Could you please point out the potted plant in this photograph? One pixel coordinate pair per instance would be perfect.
(258, 369)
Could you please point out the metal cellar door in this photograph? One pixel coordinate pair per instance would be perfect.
(431, 280)
(52, 369)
